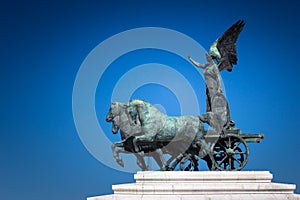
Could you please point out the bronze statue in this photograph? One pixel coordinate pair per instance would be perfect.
(223, 50)
(145, 131)
(216, 103)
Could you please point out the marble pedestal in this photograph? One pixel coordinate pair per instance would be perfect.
(215, 185)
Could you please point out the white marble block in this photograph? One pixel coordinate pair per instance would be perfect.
(181, 185)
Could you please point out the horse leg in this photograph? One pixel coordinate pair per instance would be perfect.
(193, 163)
(116, 152)
(185, 158)
(141, 162)
(162, 159)
(169, 161)
(156, 157)
(196, 164)
(135, 146)
(177, 160)
(147, 138)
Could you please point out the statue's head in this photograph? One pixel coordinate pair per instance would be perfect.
(214, 52)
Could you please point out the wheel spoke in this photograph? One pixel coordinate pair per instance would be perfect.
(222, 146)
(230, 164)
(235, 146)
(219, 152)
(223, 159)
(240, 163)
(240, 152)
(229, 142)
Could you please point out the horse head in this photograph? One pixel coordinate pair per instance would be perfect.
(113, 116)
(113, 112)
(116, 115)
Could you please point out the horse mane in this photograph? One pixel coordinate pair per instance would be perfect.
(139, 101)
(146, 103)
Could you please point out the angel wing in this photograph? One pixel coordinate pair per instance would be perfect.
(224, 48)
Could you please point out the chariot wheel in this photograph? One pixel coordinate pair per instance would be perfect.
(189, 163)
(183, 162)
(230, 153)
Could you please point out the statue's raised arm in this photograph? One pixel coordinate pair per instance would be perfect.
(199, 65)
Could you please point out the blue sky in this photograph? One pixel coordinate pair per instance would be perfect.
(43, 45)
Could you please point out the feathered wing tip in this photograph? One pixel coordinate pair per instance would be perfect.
(224, 48)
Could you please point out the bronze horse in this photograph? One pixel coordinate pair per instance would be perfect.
(144, 129)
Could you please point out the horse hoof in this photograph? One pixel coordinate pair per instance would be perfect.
(145, 169)
(120, 162)
(142, 153)
(164, 169)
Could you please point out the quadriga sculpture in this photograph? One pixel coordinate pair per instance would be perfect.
(145, 129)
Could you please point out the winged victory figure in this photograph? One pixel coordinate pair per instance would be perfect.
(223, 50)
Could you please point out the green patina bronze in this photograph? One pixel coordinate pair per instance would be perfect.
(145, 131)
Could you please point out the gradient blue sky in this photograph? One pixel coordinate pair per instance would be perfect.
(43, 44)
